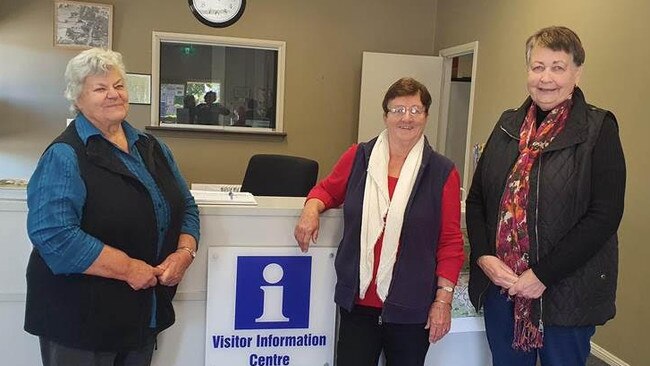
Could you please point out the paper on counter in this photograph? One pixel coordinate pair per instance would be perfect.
(223, 198)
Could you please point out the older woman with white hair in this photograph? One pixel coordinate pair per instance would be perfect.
(113, 224)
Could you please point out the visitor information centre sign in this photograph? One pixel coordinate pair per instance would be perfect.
(270, 306)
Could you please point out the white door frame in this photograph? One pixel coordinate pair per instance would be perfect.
(447, 55)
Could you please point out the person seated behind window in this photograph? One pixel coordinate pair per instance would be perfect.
(209, 111)
(240, 117)
(187, 114)
(251, 108)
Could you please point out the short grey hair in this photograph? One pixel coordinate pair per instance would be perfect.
(95, 61)
(557, 38)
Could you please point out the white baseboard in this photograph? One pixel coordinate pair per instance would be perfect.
(606, 357)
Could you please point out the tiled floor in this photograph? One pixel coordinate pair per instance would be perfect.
(593, 361)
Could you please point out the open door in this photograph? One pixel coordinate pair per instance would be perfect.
(457, 108)
(379, 71)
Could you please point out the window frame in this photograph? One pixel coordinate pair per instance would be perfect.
(278, 46)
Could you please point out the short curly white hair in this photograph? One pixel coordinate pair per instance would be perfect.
(95, 61)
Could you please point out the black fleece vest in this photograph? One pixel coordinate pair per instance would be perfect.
(97, 313)
(413, 285)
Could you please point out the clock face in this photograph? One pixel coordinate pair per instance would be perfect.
(217, 13)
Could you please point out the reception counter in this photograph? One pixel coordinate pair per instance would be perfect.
(269, 224)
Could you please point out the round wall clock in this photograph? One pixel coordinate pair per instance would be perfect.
(217, 13)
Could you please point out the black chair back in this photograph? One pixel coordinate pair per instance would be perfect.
(280, 175)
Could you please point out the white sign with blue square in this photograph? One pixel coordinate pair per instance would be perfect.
(270, 306)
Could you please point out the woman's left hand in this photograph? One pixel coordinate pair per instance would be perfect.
(174, 267)
(527, 286)
(439, 321)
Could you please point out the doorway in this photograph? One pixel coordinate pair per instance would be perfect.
(456, 108)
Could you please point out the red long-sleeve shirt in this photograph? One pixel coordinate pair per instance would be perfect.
(449, 254)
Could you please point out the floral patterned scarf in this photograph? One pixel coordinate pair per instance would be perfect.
(512, 232)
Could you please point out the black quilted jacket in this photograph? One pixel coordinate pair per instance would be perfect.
(575, 207)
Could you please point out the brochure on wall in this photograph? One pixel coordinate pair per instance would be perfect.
(171, 97)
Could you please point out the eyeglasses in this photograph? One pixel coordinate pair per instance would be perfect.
(401, 110)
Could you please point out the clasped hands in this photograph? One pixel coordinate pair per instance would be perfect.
(168, 273)
(526, 285)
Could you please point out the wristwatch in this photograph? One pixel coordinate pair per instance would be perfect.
(191, 251)
(446, 288)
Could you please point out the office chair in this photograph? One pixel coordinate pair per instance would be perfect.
(279, 175)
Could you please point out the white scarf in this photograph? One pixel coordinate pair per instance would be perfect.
(377, 205)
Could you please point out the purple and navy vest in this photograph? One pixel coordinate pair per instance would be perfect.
(414, 282)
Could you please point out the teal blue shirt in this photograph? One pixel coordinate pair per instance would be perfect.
(56, 194)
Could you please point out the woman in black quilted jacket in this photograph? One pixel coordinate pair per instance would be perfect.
(542, 214)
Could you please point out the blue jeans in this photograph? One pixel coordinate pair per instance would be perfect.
(563, 346)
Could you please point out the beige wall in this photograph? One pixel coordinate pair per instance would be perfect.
(615, 77)
(324, 44)
(325, 40)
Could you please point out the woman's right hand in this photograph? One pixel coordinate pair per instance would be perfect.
(308, 224)
(114, 263)
(497, 271)
(140, 275)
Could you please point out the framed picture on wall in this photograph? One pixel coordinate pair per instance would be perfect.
(139, 87)
(83, 25)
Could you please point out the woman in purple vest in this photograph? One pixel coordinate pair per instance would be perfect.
(114, 228)
(401, 251)
(542, 214)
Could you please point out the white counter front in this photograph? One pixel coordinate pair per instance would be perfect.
(270, 223)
